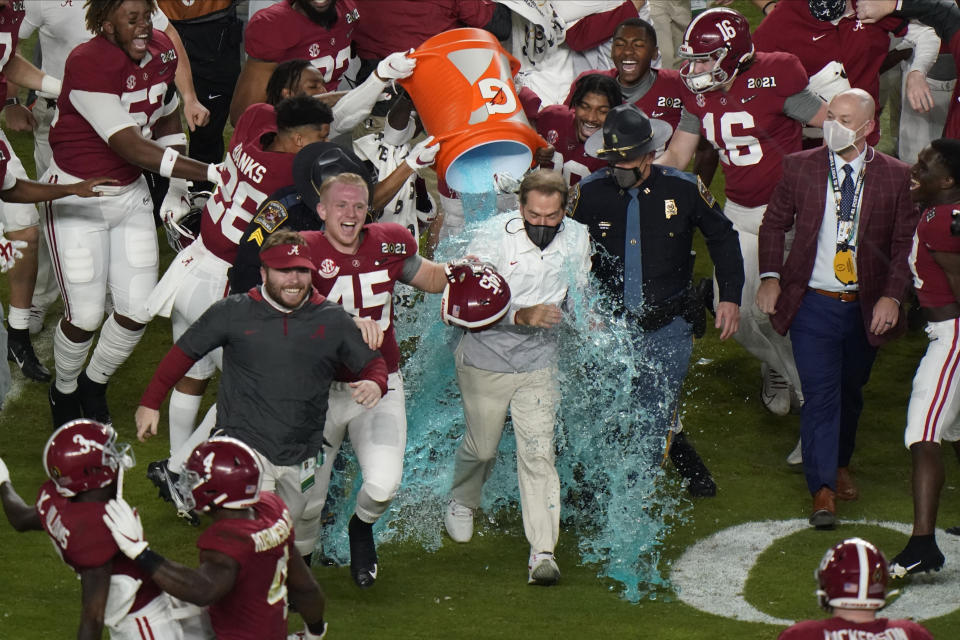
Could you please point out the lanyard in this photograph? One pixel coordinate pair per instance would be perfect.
(846, 229)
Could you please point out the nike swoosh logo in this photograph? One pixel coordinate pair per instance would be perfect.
(747, 99)
(214, 96)
(656, 114)
(815, 38)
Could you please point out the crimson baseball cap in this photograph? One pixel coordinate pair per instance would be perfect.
(287, 256)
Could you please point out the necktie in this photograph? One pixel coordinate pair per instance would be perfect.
(632, 262)
(846, 195)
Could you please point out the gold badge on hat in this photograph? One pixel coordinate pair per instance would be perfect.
(669, 208)
(844, 266)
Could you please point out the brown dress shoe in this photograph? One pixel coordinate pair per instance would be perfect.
(846, 488)
(824, 511)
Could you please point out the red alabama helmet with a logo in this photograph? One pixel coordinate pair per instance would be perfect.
(853, 575)
(721, 35)
(82, 455)
(476, 296)
(221, 472)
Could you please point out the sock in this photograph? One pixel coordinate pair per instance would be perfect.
(183, 417)
(69, 357)
(18, 318)
(113, 348)
(179, 456)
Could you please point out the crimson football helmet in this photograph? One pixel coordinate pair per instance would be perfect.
(853, 575)
(221, 472)
(82, 455)
(476, 296)
(720, 35)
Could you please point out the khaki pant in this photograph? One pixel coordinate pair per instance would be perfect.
(533, 399)
(670, 19)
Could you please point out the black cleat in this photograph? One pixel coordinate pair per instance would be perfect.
(363, 553)
(20, 350)
(688, 463)
(917, 557)
(158, 472)
(955, 531)
(64, 407)
(93, 400)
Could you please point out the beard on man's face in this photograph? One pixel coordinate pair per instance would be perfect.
(325, 17)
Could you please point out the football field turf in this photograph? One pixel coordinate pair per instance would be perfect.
(744, 559)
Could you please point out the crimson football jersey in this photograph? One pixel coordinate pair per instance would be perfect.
(10, 18)
(83, 541)
(98, 66)
(256, 607)
(556, 124)
(362, 283)
(280, 33)
(663, 100)
(748, 126)
(879, 629)
(933, 234)
(253, 175)
(952, 128)
(7, 181)
(861, 48)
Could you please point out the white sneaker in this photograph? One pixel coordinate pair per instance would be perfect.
(796, 456)
(775, 392)
(543, 569)
(459, 521)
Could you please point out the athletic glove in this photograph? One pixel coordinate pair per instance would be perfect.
(396, 66)
(4, 472)
(423, 154)
(176, 203)
(506, 183)
(124, 523)
(10, 251)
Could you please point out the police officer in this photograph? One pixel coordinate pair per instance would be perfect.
(643, 216)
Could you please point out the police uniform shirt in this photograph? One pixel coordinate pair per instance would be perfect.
(672, 204)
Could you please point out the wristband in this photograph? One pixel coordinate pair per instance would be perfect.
(149, 560)
(50, 85)
(169, 159)
(213, 173)
(11, 101)
(766, 6)
(172, 140)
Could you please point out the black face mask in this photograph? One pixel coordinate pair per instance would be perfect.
(540, 234)
(626, 178)
(827, 10)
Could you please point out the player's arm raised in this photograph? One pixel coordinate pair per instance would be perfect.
(194, 113)
(251, 86)
(22, 516)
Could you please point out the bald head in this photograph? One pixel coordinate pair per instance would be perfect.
(854, 110)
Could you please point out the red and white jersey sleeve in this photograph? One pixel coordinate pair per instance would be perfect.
(105, 91)
(253, 175)
(256, 607)
(557, 125)
(933, 234)
(327, 49)
(10, 18)
(83, 541)
(362, 283)
(749, 127)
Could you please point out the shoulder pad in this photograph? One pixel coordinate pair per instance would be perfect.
(677, 173)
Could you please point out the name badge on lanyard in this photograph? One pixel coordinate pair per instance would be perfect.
(845, 259)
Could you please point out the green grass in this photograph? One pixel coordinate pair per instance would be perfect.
(478, 590)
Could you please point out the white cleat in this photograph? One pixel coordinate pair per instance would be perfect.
(459, 521)
(543, 570)
(796, 456)
(775, 392)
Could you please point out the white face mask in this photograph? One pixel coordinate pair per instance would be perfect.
(839, 137)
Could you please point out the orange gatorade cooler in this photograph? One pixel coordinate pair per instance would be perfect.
(463, 91)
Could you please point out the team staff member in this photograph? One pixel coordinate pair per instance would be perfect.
(513, 365)
(248, 563)
(274, 338)
(644, 216)
(934, 402)
(116, 116)
(839, 288)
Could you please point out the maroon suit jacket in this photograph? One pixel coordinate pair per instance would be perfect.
(888, 220)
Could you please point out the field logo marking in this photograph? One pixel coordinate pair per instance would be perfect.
(711, 574)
